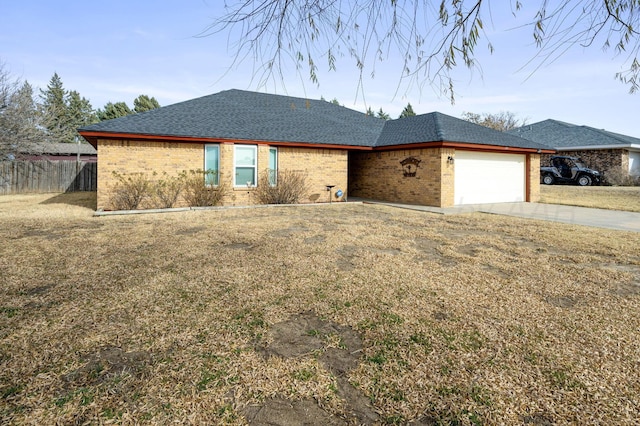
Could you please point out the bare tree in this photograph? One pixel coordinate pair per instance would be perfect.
(20, 129)
(433, 38)
(502, 121)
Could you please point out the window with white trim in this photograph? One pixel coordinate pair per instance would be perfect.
(245, 164)
(273, 166)
(212, 165)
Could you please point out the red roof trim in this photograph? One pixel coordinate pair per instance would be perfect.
(92, 138)
(465, 146)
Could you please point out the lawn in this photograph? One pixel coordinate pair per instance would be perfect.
(345, 313)
(604, 197)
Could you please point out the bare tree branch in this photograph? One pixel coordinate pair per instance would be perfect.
(433, 39)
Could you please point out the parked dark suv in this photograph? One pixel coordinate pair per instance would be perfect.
(570, 170)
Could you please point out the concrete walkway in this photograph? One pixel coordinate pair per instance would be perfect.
(599, 218)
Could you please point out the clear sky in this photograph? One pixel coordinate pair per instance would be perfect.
(117, 50)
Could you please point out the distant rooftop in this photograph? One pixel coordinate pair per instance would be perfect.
(61, 149)
(560, 135)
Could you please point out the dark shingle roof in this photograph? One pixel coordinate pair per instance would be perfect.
(435, 126)
(238, 114)
(561, 135)
(243, 115)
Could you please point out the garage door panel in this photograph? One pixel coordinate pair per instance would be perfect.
(482, 177)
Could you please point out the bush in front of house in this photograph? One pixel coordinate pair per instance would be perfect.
(197, 193)
(620, 177)
(138, 191)
(288, 187)
(129, 191)
(164, 192)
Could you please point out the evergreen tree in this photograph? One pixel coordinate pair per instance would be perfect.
(143, 103)
(62, 111)
(370, 112)
(79, 111)
(383, 115)
(54, 110)
(111, 111)
(407, 111)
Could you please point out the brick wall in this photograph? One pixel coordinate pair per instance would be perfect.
(380, 176)
(533, 189)
(600, 160)
(322, 166)
(126, 157)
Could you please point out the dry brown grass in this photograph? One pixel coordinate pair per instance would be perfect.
(469, 319)
(603, 197)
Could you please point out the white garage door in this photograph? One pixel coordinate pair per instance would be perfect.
(482, 177)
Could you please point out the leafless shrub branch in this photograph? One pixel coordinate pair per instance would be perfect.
(290, 188)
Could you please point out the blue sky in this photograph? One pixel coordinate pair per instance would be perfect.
(117, 50)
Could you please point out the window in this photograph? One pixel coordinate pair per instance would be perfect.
(212, 165)
(273, 166)
(245, 165)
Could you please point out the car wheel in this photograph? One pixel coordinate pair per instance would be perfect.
(548, 179)
(584, 180)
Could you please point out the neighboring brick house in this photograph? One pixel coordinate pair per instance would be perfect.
(430, 159)
(601, 150)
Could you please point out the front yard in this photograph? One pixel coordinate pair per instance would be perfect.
(353, 313)
(603, 197)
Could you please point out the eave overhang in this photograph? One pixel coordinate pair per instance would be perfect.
(92, 138)
(630, 146)
(467, 147)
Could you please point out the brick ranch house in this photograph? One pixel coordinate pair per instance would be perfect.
(431, 159)
(602, 150)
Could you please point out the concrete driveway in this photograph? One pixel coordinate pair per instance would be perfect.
(599, 218)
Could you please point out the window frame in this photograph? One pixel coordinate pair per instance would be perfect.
(273, 172)
(205, 169)
(254, 167)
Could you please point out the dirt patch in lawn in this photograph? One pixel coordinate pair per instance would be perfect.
(306, 335)
(108, 363)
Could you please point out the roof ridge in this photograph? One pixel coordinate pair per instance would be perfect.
(300, 98)
(439, 131)
(563, 123)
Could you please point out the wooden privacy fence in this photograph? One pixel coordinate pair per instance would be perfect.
(47, 176)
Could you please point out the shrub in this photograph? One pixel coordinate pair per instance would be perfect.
(197, 194)
(290, 188)
(129, 191)
(164, 192)
(620, 177)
